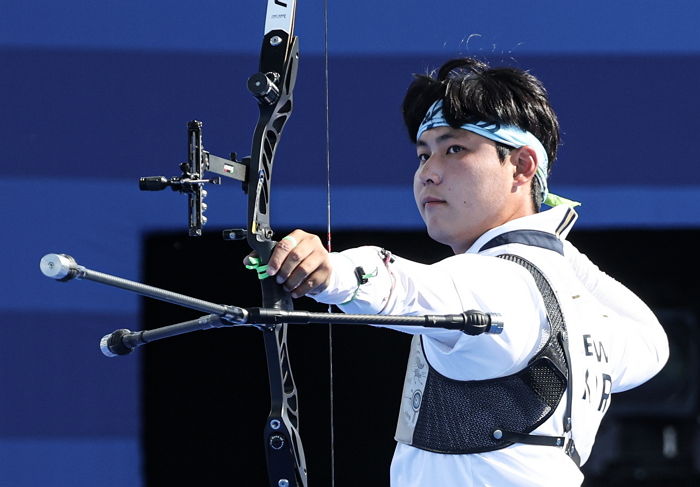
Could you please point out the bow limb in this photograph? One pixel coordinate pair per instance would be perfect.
(273, 86)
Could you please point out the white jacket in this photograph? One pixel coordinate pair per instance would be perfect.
(615, 341)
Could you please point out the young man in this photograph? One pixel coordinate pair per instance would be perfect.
(521, 408)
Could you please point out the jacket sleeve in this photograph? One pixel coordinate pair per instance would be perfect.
(645, 342)
(459, 283)
(390, 286)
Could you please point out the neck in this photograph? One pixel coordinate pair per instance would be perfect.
(519, 212)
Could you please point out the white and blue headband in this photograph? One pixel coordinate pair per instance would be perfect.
(509, 135)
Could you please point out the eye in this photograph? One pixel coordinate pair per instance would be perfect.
(453, 149)
(423, 157)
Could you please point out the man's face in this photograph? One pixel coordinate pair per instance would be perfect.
(461, 187)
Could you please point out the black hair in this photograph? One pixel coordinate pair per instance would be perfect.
(472, 91)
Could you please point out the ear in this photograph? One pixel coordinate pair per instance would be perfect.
(524, 162)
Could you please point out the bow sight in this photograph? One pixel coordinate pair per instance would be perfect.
(192, 180)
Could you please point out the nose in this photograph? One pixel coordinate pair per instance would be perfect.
(430, 171)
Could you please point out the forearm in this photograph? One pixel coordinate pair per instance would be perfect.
(391, 287)
(386, 287)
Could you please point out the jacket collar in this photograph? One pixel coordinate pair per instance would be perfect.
(545, 229)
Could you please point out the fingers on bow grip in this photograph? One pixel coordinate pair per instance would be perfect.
(264, 271)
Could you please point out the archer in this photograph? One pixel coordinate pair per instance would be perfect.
(520, 408)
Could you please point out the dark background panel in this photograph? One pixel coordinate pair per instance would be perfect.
(206, 394)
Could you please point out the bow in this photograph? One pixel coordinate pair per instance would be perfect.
(273, 86)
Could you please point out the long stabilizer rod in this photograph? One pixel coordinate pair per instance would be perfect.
(63, 267)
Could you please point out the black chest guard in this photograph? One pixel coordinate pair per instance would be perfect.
(444, 415)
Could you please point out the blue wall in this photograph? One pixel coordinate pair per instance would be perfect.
(95, 94)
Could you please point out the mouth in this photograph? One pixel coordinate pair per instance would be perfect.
(430, 201)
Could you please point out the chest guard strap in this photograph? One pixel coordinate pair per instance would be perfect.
(444, 415)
